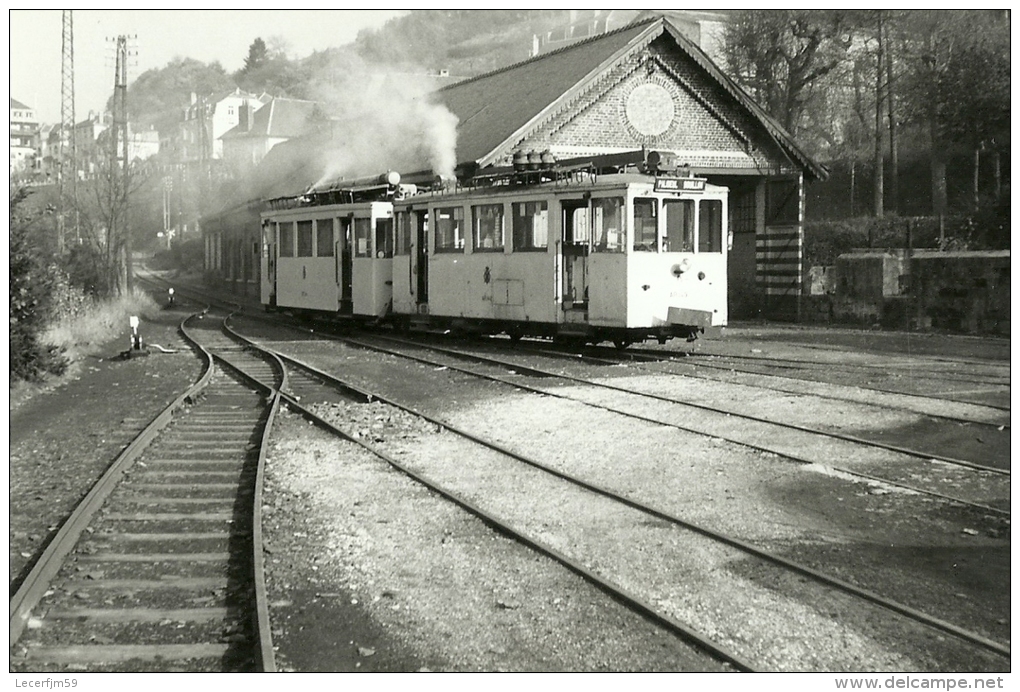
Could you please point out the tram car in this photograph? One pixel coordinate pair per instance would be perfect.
(559, 251)
(330, 251)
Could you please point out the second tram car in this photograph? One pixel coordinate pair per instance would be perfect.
(564, 253)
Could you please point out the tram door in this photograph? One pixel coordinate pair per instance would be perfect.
(421, 255)
(344, 257)
(268, 264)
(576, 229)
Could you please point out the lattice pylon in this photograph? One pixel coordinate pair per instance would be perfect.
(67, 154)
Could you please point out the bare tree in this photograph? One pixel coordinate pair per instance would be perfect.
(102, 208)
(779, 55)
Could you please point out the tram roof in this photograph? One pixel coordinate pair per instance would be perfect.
(595, 183)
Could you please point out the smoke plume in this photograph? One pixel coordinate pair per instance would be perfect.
(381, 120)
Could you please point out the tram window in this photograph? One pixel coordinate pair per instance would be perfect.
(287, 239)
(488, 229)
(679, 225)
(646, 225)
(450, 229)
(577, 225)
(304, 238)
(531, 226)
(384, 238)
(269, 232)
(324, 238)
(403, 233)
(710, 226)
(362, 237)
(609, 224)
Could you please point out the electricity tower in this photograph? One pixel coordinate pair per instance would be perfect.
(120, 156)
(67, 154)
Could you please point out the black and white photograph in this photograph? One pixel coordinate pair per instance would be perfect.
(510, 341)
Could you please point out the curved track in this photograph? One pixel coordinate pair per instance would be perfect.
(159, 567)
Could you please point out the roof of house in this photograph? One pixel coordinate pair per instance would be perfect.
(499, 108)
(19, 105)
(279, 118)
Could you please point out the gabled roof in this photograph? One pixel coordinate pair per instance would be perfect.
(282, 118)
(19, 105)
(493, 107)
(497, 109)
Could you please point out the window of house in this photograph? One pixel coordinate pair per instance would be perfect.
(710, 226)
(450, 229)
(679, 225)
(304, 238)
(646, 225)
(530, 226)
(384, 238)
(609, 224)
(324, 238)
(362, 237)
(488, 228)
(782, 205)
(286, 239)
(742, 210)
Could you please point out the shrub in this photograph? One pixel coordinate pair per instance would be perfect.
(31, 289)
(86, 269)
(824, 241)
(184, 257)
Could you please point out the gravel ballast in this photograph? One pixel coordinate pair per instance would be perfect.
(416, 583)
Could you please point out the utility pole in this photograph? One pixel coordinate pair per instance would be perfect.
(67, 155)
(119, 157)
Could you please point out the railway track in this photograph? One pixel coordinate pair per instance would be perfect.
(923, 472)
(713, 368)
(925, 380)
(926, 435)
(157, 568)
(903, 468)
(503, 466)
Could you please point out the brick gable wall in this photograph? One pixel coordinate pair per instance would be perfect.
(699, 120)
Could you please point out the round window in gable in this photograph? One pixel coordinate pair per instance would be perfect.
(650, 109)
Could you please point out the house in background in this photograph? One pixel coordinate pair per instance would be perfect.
(260, 129)
(207, 119)
(26, 142)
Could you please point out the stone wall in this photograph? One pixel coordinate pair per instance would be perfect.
(964, 292)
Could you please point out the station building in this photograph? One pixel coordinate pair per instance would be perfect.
(643, 86)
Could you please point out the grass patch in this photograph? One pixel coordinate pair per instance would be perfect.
(96, 324)
(85, 329)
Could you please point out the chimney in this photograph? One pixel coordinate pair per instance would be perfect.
(245, 115)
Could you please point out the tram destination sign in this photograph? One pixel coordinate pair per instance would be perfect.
(680, 184)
